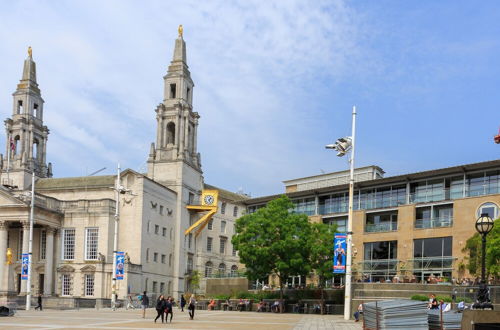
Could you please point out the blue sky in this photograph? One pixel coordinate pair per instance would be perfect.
(274, 82)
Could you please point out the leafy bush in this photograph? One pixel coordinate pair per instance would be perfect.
(222, 297)
(419, 297)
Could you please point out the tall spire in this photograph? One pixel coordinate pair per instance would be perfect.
(180, 47)
(29, 70)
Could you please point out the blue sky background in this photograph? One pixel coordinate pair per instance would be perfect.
(274, 82)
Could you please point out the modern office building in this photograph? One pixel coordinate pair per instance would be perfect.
(74, 217)
(407, 225)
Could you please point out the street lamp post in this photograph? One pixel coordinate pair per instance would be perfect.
(118, 188)
(342, 146)
(484, 224)
(30, 243)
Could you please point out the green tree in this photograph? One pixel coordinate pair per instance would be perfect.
(321, 254)
(194, 280)
(274, 240)
(473, 249)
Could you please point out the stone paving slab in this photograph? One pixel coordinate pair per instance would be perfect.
(131, 319)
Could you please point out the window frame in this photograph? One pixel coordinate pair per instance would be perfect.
(87, 251)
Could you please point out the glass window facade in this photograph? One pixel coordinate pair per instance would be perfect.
(341, 223)
(434, 216)
(380, 261)
(380, 222)
(305, 206)
(432, 257)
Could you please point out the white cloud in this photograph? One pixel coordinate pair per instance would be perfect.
(254, 63)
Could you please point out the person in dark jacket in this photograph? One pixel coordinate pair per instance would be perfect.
(169, 309)
(144, 303)
(183, 302)
(160, 307)
(39, 301)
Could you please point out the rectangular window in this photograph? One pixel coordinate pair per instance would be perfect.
(235, 211)
(68, 245)
(305, 206)
(381, 250)
(341, 223)
(157, 229)
(223, 227)
(155, 286)
(91, 243)
(164, 232)
(161, 209)
(222, 249)
(191, 199)
(172, 91)
(190, 263)
(380, 222)
(432, 247)
(89, 284)
(43, 244)
(223, 208)
(65, 285)
(162, 287)
(211, 224)
(155, 257)
(234, 251)
(190, 239)
(209, 244)
(163, 258)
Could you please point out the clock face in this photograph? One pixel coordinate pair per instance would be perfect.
(209, 199)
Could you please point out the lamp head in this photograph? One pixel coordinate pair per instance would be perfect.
(484, 224)
(342, 145)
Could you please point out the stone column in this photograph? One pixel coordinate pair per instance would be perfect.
(26, 241)
(49, 262)
(3, 250)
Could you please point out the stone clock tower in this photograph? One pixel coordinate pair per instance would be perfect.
(26, 143)
(173, 160)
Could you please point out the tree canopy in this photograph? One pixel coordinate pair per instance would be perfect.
(274, 240)
(473, 248)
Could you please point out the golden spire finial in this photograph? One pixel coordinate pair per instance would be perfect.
(30, 51)
(180, 30)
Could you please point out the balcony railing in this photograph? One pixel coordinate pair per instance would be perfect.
(433, 263)
(381, 227)
(379, 265)
(434, 222)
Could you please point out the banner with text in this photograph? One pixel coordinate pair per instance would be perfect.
(25, 264)
(120, 265)
(339, 253)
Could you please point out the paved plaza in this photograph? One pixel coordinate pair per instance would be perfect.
(131, 319)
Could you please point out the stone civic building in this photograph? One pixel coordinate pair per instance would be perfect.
(412, 226)
(74, 217)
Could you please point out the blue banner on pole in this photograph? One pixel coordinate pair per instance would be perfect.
(120, 265)
(339, 255)
(25, 257)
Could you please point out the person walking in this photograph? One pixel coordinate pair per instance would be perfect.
(39, 301)
(192, 307)
(160, 307)
(169, 309)
(144, 304)
(130, 303)
(183, 302)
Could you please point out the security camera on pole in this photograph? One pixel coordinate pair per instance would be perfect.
(342, 146)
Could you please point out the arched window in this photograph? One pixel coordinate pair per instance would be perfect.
(208, 269)
(489, 208)
(234, 271)
(35, 148)
(222, 269)
(14, 144)
(171, 133)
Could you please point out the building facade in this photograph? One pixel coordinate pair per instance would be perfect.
(74, 218)
(413, 226)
